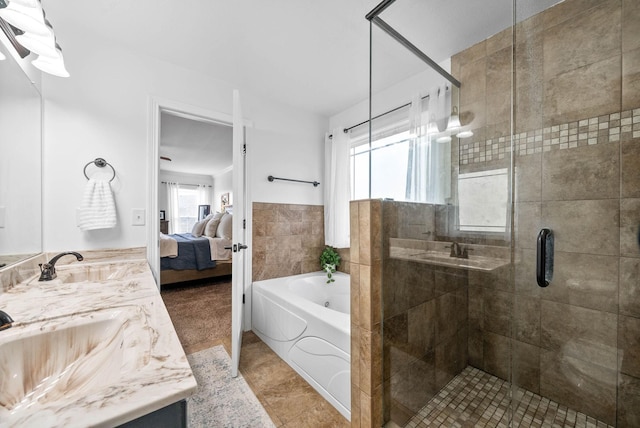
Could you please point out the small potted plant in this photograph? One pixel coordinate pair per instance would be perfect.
(329, 262)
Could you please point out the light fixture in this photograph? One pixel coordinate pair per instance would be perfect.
(464, 134)
(40, 45)
(454, 120)
(2, 57)
(52, 65)
(28, 19)
(26, 3)
(443, 139)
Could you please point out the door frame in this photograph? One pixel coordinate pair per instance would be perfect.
(157, 105)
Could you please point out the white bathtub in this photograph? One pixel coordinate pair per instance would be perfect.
(307, 323)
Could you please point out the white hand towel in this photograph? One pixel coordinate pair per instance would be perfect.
(98, 209)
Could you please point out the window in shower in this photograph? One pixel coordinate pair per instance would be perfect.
(388, 157)
(381, 170)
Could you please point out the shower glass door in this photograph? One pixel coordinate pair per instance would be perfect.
(575, 341)
(549, 138)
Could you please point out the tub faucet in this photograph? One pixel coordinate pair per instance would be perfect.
(5, 320)
(48, 270)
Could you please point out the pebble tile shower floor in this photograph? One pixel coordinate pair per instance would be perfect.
(477, 399)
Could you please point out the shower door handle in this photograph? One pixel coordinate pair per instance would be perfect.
(544, 260)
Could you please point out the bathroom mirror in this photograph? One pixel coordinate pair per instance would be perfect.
(20, 159)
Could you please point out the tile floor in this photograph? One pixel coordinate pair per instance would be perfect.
(477, 399)
(288, 399)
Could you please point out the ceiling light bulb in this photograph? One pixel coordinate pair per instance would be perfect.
(28, 19)
(465, 134)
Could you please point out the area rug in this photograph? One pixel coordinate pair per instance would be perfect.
(221, 400)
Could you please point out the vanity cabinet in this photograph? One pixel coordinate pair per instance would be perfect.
(172, 416)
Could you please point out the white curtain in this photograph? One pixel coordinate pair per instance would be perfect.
(429, 161)
(204, 195)
(337, 189)
(172, 206)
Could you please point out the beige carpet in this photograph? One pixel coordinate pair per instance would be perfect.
(200, 312)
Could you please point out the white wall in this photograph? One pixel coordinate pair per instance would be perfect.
(102, 111)
(389, 98)
(222, 183)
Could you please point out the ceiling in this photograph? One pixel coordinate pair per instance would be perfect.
(309, 54)
(194, 147)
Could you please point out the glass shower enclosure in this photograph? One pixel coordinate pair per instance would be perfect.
(504, 145)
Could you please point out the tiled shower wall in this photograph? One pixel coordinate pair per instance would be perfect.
(577, 168)
(424, 317)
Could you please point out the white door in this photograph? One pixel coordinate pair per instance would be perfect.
(239, 232)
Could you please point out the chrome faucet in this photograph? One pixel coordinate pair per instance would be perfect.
(48, 270)
(5, 320)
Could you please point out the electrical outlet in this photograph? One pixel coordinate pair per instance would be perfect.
(138, 217)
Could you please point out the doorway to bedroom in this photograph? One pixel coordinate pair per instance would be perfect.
(195, 166)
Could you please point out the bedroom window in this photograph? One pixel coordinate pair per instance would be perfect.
(187, 209)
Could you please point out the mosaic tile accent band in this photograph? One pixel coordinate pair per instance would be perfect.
(615, 127)
(476, 398)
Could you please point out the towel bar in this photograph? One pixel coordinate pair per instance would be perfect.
(271, 178)
(100, 163)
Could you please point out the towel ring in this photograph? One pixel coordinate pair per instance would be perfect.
(100, 163)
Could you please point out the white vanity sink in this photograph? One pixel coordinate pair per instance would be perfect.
(69, 357)
(93, 347)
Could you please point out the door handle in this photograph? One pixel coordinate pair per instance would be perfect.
(544, 259)
(236, 247)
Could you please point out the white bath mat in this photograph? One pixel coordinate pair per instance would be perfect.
(222, 401)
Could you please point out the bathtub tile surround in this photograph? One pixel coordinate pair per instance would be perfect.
(288, 240)
(146, 368)
(577, 156)
(366, 335)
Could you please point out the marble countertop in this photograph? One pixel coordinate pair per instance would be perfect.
(109, 316)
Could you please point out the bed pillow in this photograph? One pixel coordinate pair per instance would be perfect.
(198, 228)
(225, 228)
(212, 226)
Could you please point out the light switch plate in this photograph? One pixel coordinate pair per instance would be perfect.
(138, 217)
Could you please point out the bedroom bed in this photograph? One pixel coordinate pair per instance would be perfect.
(196, 255)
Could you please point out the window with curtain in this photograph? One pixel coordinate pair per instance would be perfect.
(406, 160)
(183, 205)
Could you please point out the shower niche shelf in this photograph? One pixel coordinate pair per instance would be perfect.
(484, 258)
